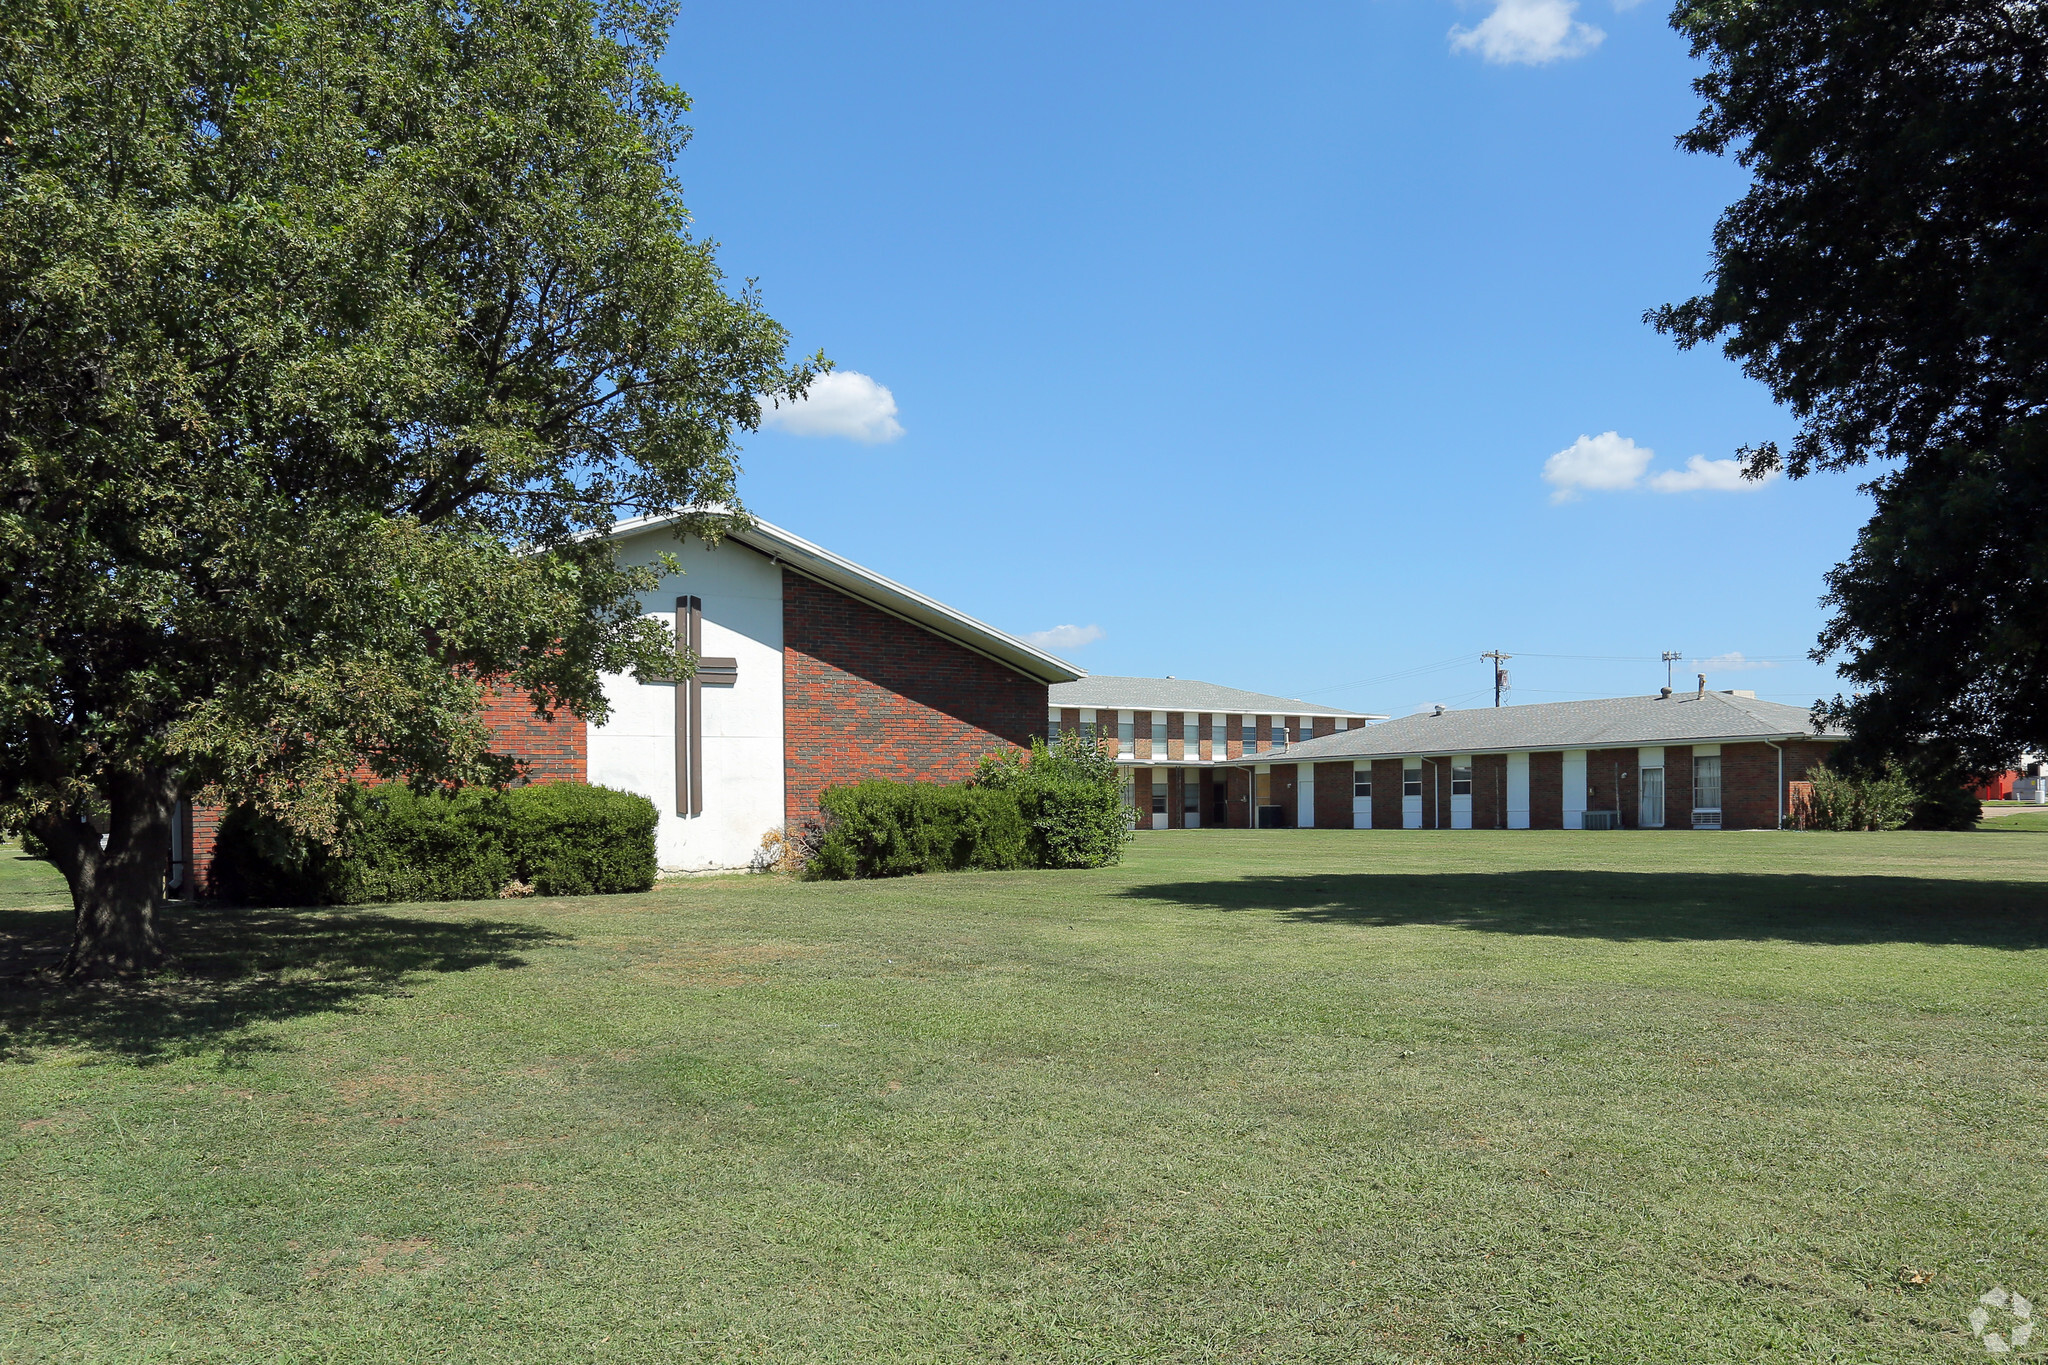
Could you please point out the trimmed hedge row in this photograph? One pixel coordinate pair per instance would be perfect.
(395, 844)
(1061, 808)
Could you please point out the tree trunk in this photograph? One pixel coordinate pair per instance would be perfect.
(116, 878)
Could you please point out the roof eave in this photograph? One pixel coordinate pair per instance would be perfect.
(837, 571)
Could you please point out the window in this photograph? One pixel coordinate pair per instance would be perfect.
(1461, 779)
(1052, 728)
(1279, 734)
(1126, 734)
(1159, 796)
(1303, 729)
(1411, 781)
(1706, 783)
(1158, 733)
(1190, 792)
(1190, 732)
(1247, 734)
(1361, 782)
(1216, 733)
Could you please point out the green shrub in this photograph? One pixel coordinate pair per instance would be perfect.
(1061, 808)
(567, 839)
(897, 829)
(395, 844)
(1072, 795)
(1861, 801)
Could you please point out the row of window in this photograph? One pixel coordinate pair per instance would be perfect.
(1221, 728)
(1706, 785)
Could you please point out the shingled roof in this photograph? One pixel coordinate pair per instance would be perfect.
(1684, 718)
(1184, 694)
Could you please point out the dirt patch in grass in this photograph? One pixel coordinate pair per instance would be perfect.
(374, 1259)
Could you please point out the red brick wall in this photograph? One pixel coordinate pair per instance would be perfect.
(555, 750)
(1749, 786)
(1611, 775)
(867, 695)
(1333, 795)
(1141, 735)
(1489, 791)
(1546, 790)
(1436, 793)
(1386, 793)
(1678, 786)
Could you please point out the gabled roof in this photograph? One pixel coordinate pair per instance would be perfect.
(1184, 694)
(1612, 722)
(815, 561)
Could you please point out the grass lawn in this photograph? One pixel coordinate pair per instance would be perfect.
(1275, 1096)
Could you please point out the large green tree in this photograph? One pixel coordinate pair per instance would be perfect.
(1887, 276)
(329, 334)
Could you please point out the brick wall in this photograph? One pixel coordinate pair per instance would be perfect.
(1386, 793)
(1546, 790)
(555, 750)
(1333, 795)
(867, 695)
(1489, 791)
(1611, 776)
(1678, 786)
(1749, 786)
(1436, 793)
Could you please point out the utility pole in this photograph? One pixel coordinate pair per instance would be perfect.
(1500, 674)
(1670, 657)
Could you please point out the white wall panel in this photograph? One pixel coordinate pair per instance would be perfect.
(743, 761)
(1574, 788)
(1518, 791)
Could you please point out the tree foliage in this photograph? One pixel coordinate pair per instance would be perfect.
(1886, 275)
(332, 337)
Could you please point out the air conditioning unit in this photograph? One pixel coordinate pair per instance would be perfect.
(1706, 819)
(1602, 819)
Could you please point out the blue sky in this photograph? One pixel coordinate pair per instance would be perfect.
(1245, 336)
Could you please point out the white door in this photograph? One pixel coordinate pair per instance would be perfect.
(1304, 796)
(1461, 792)
(1518, 791)
(1574, 789)
(1411, 796)
(1361, 796)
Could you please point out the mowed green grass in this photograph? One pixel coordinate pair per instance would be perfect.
(1275, 1096)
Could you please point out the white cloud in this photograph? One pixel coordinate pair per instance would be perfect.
(1720, 476)
(841, 403)
(1065, 637)
(1611, 462)
(1607, 462)
(1530, 32)
(1731, 662)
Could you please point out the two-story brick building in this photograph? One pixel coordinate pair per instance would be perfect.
(1198, 754)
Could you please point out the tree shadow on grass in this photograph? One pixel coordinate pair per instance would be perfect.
(1668, 906)
(230, 969)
